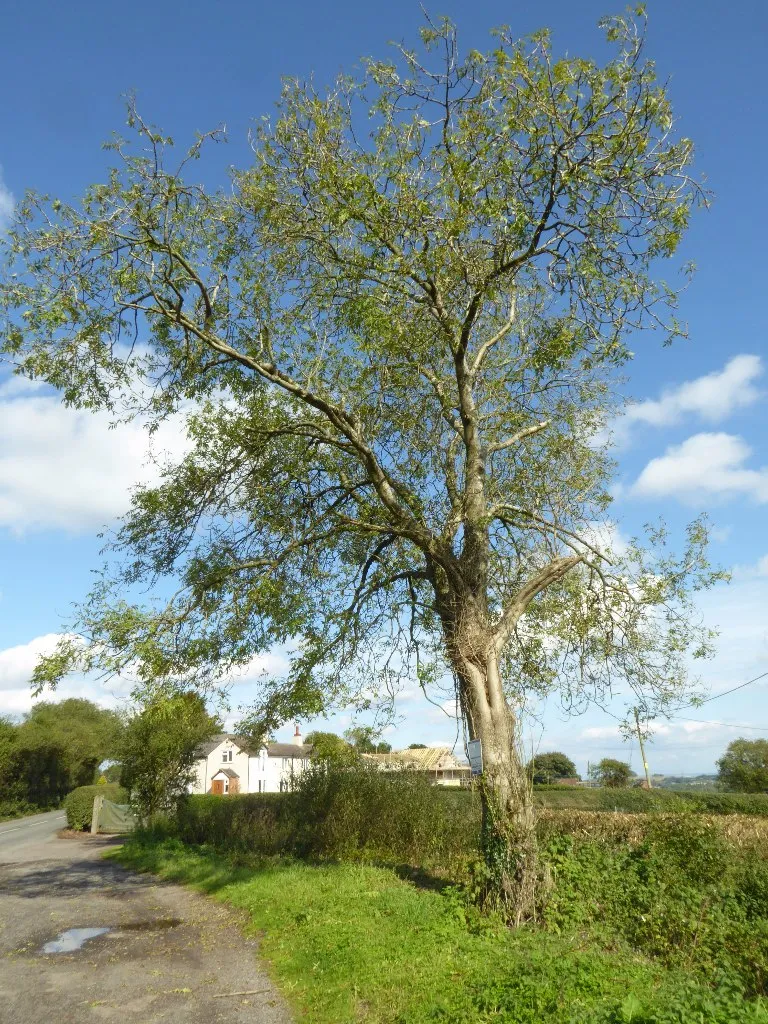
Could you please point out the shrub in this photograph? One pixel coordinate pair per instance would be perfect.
(343, 812)
(79, 803)
(686, 889)
(16, 809)
(675, 889)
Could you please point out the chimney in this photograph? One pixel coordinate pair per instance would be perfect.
(297, 740)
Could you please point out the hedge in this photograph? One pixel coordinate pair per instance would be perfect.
(349, 813)
(79, 803)
(641, 801)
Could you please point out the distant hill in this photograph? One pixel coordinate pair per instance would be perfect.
(685, 781)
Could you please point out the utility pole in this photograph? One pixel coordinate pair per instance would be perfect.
(642, 750)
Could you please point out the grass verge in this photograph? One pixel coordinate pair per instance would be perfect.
(352, 943)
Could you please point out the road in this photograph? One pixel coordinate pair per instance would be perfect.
(166, 954)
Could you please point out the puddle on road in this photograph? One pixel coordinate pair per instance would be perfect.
(73, 939)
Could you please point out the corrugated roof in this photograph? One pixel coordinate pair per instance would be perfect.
(426, 758)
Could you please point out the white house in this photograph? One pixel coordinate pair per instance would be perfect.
(230, 764)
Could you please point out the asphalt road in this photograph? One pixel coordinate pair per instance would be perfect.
(168, 954)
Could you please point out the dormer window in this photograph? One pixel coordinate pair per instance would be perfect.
(226, 756)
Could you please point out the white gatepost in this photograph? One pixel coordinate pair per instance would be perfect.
(98, 803)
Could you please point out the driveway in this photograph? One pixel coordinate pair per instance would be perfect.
(166, 955)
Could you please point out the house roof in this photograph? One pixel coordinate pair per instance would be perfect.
(289, 749)
(428, 758)
(248, 747)
(210, 745)
(228, 772)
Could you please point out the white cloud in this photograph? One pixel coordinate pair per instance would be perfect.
(17, 663)
(600, 732)
(20, 701)
(65, 468)
(274, 663)
(755, 570)
(606, 537)
(720, 534)
(704, 467)
(712, 397)
(7, 204)
(16, 667)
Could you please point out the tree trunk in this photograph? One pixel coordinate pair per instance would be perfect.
(473, 644)
(508, 824)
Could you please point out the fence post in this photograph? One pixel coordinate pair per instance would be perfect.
(98, 802)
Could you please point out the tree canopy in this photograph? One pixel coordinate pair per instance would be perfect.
(328, 746)
(57, 747)
(611, 773)
(157, 754)
(544, 769)
(365, 739)
(744, 766)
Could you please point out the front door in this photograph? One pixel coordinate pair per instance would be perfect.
(217, 787)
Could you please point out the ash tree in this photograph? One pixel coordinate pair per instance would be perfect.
(396, 335)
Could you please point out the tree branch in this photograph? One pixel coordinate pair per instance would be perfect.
(552, 573)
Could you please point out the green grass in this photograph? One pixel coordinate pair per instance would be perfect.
(353, 943)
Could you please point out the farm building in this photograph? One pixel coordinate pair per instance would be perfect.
(438, 762)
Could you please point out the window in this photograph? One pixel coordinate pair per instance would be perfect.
(226, 785)
(226, 755)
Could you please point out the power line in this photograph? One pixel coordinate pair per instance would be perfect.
(725, 693)
(727, 725)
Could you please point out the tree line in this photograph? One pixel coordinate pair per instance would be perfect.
(743, 768)
(54, 749)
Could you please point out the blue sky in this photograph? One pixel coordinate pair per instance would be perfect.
(694, 444)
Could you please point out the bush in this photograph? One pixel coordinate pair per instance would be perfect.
(680, 893)
(686, 889)
(79, 803)
(17, 809)
(344, 812)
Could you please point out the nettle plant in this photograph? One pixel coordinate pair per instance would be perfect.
(399, 329)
